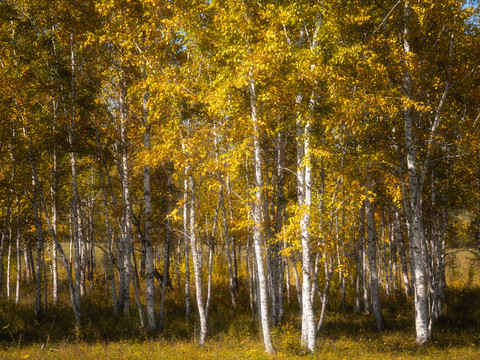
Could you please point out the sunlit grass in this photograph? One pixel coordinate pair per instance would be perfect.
(232, 335)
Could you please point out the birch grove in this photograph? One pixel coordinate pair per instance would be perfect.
(294, 155)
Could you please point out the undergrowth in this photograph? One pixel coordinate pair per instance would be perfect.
(232, 332)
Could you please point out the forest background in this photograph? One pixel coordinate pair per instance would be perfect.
(266, 162)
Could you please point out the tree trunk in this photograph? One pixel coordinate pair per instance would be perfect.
(2, 249)
(324, 295)
(257, 222)
(74, 295)
(197, 267)
(304, 186)
(415, 205)
(147, 195)
(109, 239)
(73, 165)
(39, 248)
(186, 239)
(126, 237)
(233, 291)
(251, 286)
(19, 268)
(280, 214)
(25, 258)
(401, 252)
(362, 247)
(9, 258)
(372, 260)
(166, 259)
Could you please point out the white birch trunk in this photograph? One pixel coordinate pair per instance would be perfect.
(415, 205)
(73, 166)
(197, 267)
(54, 191)
(257, 218)
(304, 172)
(9, 257)
(186, 221)
(147, 194)
(19, 269)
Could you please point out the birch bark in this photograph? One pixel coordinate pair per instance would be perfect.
(147, 195)
(257, 219)
(416, 241)
(197, 266)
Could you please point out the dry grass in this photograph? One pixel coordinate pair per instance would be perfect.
(233, 336)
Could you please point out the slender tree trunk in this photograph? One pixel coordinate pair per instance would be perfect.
(25, 258)
(257, 219)
(401, 252)
(416, 242)
(166, 259)
(385, 260)
(83, 250)
(304, 179)
(234, 242)
(362, 247)
(2, 249)
(197, 266)
(105, 179)
(126, 244)
(73, 166)
(296, 278)
(250, 281)
(109, 240)
(359, 274)
(280, 213)
(74, 295)
(186, 239)
(147, 195)
(372, 259)
(45, 282)
(39, 247)
(54, 256)
(210, 278)
(54, 191)
(324, 295)
(233, 291)
(9, 257)
(19, 268)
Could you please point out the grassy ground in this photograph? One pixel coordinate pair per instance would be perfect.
(232, 335)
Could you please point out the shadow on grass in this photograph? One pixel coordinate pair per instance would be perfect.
(459, 327)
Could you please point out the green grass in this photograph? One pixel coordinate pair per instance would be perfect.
(232, 334)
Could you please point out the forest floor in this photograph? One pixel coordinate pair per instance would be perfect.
(232, 334)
